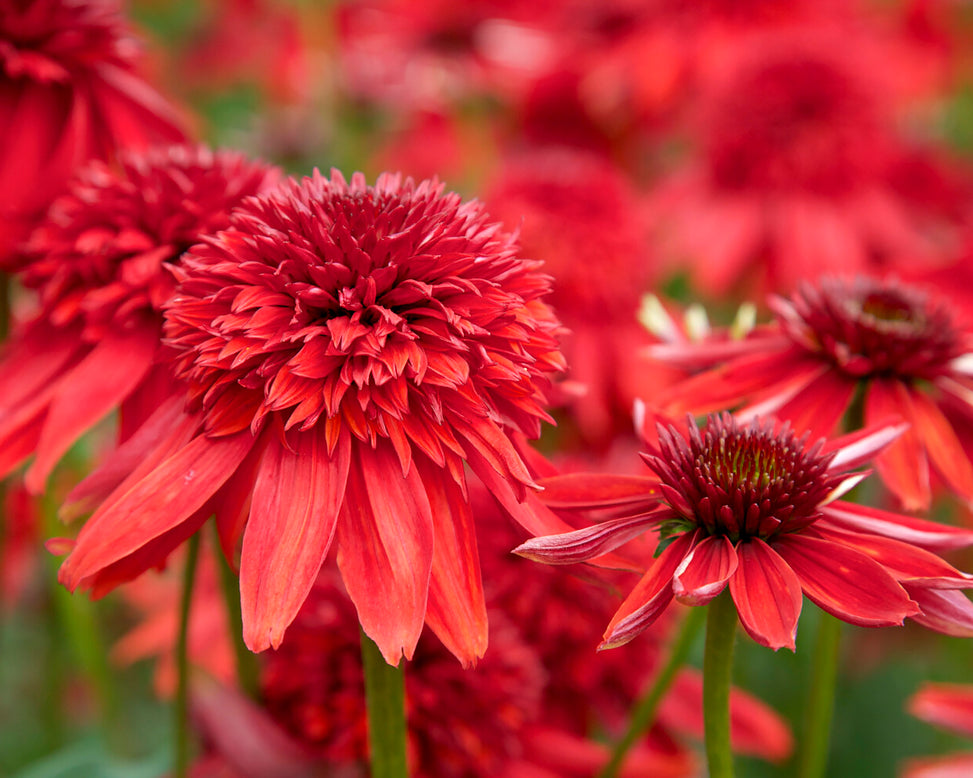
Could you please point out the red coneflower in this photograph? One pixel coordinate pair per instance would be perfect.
(580, 216)
(68, 93)
(796, 143)
(754, 507)
(901, 345)
(101, 266)
(349, 351)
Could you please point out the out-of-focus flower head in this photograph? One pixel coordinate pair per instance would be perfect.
(100, 263)
(69, 92)
(901, 345)
(796, 139)
(579, 214)
(949, 706)
(349, 350)
(753, 507)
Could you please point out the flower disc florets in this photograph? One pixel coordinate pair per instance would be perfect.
(871, 327)
(396, 311)
(99, 259)
(741, 482)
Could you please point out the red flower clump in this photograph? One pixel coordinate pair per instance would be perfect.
(100, 264)
(903, 345)
(68, 93)
(349, 350)
(754, 507)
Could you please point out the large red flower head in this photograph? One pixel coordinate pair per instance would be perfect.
(753, 507)
(101, 265)
(580, 215)
(349, 350)
(68, 93)
(901, 344)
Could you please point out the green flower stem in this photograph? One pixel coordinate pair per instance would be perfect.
(721, 624)
(78, 626)
(385, 698)
(819, 709)
(247, 667)
(181, 703)
(643, 715)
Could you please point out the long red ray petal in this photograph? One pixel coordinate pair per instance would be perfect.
(946, 705)
(296, 499)
(92, 389)
(816, 408)
(704, 571)
(907, 563)
(385, 549)
(944, 610)
(164, 498)
(651, 595)
(903, 465)
(951, 766)
(845, 582)
(930, 535)
(578, 491)
(860, 447)
(585, 544)
(767, 595)
(942, 446)
(33, 358)
(456, 610)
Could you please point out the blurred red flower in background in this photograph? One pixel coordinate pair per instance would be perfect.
(69, 92)
(949, 706)
(100, 263)
(349, 351)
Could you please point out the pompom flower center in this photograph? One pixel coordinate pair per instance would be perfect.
(868, 327)
(740, 482)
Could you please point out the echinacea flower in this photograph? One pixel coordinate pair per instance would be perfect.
(949, 706)
(349, 350)
(69, 92)
(796, 143)
(579, 214)
(100, 264)
(901, 345)
(753, 507)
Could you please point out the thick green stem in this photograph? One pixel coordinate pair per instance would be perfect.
(247, 668)
(385, 698)
(819, 709)
(721, 624)
(181, 703)
(643, 715)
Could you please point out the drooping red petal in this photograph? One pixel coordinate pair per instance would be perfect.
(930, 535)
(296, 500)
(651, 595)
(580, 491)
(90, 391)
(943, 610)
(816, 406)
(903, 465)
(585, 544)
(385, 549)
(34, 358)
(942, 445)
(704, 571)
(456, 610)
(845, 582)
(767, 595)
(907, 563)
(160, 501)
(946, 705)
